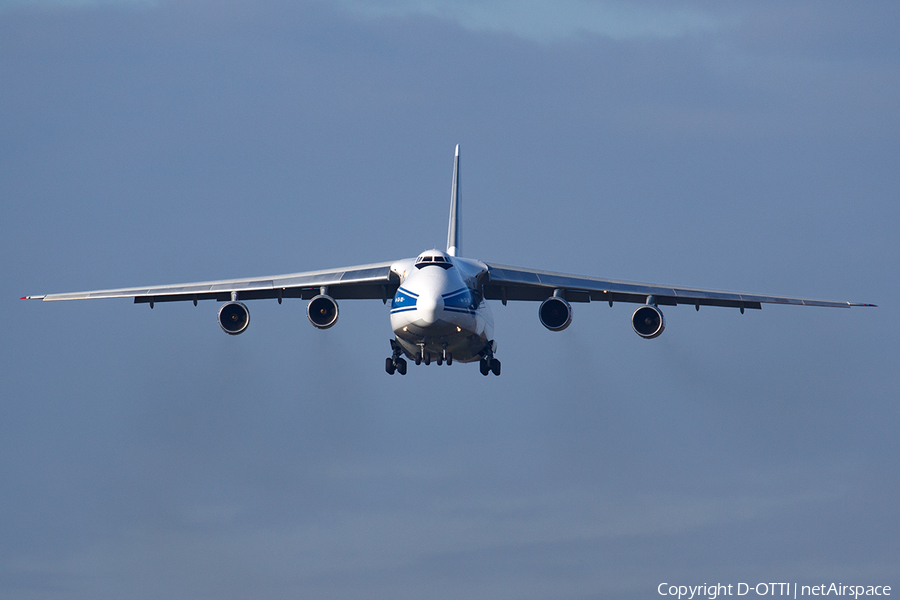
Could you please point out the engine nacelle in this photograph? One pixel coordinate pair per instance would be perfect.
(234, 318)
(322, 311)
(648, 321)
(555, 313)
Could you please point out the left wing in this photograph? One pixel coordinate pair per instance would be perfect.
(375, 281)
(505, 283)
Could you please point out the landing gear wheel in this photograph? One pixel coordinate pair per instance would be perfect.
(440, 361)
(395, 362)
(427, 358)
(495, 366)
(418, 359)
(449, 359)
(484, 366)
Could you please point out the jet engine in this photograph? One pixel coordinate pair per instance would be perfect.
(234, 318)
(648, 321)
(322, 311)
(555, 313)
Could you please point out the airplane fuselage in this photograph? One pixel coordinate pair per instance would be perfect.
(438, 310)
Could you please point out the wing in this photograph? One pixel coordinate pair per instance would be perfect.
(516, 283)
(374, 281)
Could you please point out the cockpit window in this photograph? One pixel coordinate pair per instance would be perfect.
(426, 260)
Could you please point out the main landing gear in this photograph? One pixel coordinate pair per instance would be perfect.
(488, 363)
(390, 365)
(395, 362)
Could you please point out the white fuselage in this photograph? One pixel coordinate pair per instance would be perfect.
(438, 309)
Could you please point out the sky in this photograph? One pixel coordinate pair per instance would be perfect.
(738, 146)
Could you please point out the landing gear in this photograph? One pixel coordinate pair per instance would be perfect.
(398, 365)
(488, 363)
(426, 357)
(395, 362)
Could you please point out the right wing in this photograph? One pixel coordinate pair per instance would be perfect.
(375, 281)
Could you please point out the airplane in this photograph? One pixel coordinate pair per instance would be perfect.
(439, 310)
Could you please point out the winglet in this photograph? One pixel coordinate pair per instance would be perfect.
(453, 235)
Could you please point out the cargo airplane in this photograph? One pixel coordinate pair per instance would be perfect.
(439, 310)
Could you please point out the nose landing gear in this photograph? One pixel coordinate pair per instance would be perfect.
(397, 364)
(427, 357)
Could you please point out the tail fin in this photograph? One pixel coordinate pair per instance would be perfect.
(453, 237)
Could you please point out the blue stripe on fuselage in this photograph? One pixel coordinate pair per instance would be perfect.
(460, 300)
(404, 299)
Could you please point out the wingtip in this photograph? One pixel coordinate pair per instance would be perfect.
(457, 150)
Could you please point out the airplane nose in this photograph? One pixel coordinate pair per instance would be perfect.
(428, 307)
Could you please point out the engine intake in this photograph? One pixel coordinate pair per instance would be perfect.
(555, 313)
(648, 321)
(234, 318)
(322, 311)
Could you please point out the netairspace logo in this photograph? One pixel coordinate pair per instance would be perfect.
(794, 590)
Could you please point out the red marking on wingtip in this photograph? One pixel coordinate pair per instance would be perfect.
(24, 298)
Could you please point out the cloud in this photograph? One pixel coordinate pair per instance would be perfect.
(546, 20)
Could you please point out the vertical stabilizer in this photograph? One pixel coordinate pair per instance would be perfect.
(453, 237)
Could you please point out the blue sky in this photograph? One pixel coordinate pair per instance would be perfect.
(146, 454)
(540, 20)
